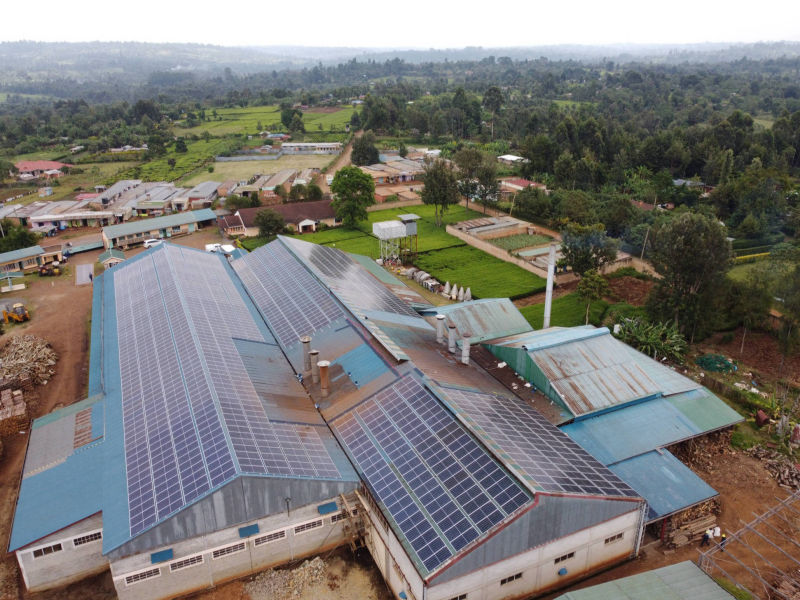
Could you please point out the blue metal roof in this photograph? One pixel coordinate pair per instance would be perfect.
(20, 254)
(635, 429)
(484, 319)
(196, 216)
(76, 481)
(665, 482)
(362, 365)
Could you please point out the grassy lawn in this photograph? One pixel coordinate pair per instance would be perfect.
(93, 174)
(246, 120)
(742, 272)
(515, 242)
(487, 276)
(765, 120)
(50, 154)
(568, 311)
(246, 169)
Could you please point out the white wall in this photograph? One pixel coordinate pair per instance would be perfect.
(71, 563)
(210, 570)
(538, 568)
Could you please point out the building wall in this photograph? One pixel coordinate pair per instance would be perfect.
(138, 238)
(587, 552)
(75, 560)
(209, 560)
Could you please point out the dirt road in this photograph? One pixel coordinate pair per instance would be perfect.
(342, 161)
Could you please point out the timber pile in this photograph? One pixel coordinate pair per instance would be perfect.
(787, 587)
(12, 404)
(690, 525)
(28, 361)
(786, 473)
(700, 452)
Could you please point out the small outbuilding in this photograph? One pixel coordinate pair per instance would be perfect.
(111, 258)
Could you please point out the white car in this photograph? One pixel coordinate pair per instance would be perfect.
(153, 242)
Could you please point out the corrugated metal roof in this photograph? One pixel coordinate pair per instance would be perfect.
(196, 216)
(632, 430)
(484, 319)
(20, 254)
(682, 581)
(665, 482)
(362, 365)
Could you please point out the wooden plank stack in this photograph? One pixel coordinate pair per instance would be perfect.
(690, 531)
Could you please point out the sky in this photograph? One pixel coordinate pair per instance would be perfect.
(406, 24)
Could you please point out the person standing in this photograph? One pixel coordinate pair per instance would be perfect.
(723, 538)
(706, 538)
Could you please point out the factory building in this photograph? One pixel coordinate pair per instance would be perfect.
(245, 413)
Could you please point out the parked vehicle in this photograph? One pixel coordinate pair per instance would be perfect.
(153, 242)
(17, 313)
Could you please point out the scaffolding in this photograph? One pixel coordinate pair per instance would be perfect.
(763, 557)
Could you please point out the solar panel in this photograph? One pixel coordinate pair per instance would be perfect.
(440, 487)
(191, 416)
(292, 300)
(351, 282)
(539, 449)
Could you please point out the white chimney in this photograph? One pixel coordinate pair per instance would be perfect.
(451, 338)
(324, 381)
(548, 298)
(465, 345)
(306, 341)
(440, 329)
(314, 354)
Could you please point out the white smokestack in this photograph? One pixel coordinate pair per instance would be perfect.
(451, 338)
(548, 298)
(465, 349)
(324, 380)
(440, 329)
(306, 340)
(314, 354)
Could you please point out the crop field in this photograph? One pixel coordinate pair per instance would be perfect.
(197, 153)
(246, 120)
(93, 174)
(567, 311)
(487, 276)
(246, 169)
(515, 242)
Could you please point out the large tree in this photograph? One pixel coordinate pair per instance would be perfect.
(692, 255)
(16, 236)
(469, 161)
(269, 223)
(441, 187)
(591, 288)
(235, 202)
(488, 188)
(364, 150)
(587, 247)
(493, 100)
(354, 191)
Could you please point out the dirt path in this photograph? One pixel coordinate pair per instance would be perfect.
(342, 161)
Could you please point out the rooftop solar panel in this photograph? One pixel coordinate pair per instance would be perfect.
(292, 300)
(538, 449)
(439, 485)
(192, 418)
(349, 280)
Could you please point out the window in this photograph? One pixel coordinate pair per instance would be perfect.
(563, 558)
(85, 539)
(142, 575)
(308, 526)
(44, 551)
(220, 552)
(460, 597)
(615, 538)
(186, 562)
(270, 537)
(507, 580)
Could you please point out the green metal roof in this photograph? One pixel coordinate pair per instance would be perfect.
(682, 581)
(20, 254)
(196, 216)
(112, 253)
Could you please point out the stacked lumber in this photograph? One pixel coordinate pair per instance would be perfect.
(12, 404)
(690, 531)
(786, 473)
(28, 361)
(787, 587)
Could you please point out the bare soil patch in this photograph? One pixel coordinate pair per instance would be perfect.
(561, 289)
(630, 289)
(327, 110)
(761, 352)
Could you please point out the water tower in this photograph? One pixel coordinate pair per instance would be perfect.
(398, 238)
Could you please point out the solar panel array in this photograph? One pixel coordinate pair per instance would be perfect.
(351, 282)
(441, 488)
(292, 300)
(550, 457)
(184, 387)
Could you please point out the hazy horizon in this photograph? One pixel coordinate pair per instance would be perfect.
(418, 26)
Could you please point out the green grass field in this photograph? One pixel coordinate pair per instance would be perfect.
(567, 311)
(487, 276)
(198, 152)
(246, 120)
(93, 174)
(246, 169)
(515, 242)
(742, 272)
